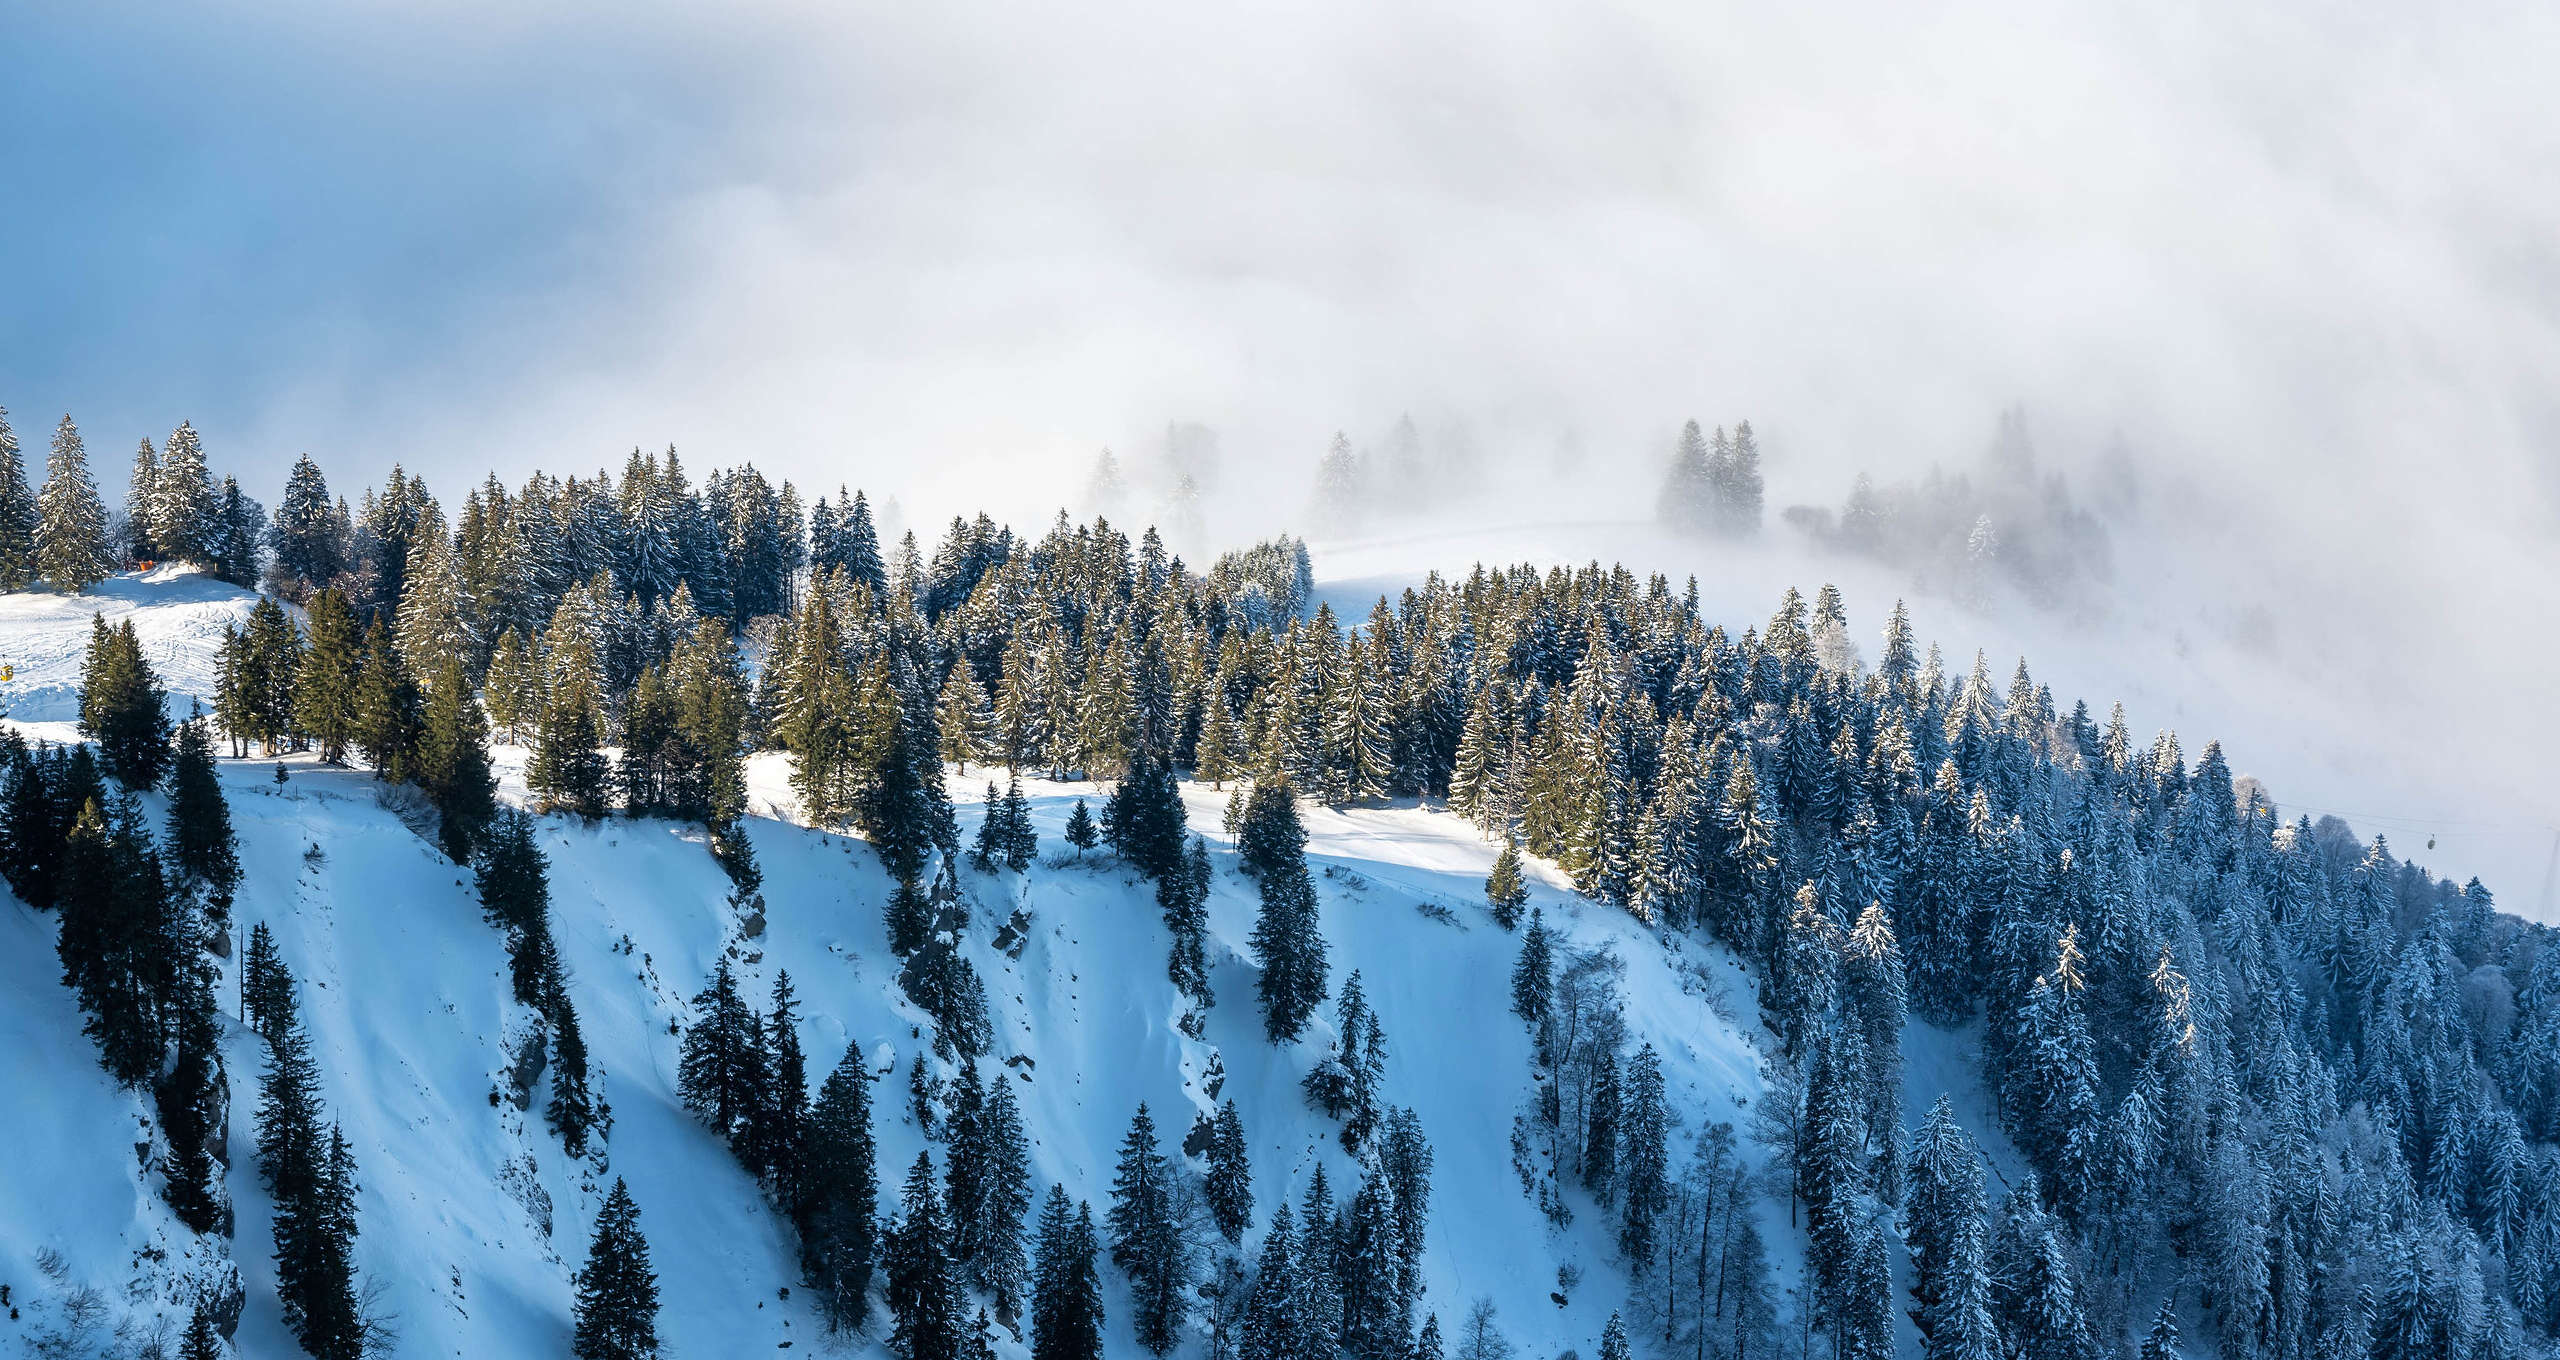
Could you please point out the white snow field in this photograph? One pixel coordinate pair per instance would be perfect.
(178, 614)
(473, 1220)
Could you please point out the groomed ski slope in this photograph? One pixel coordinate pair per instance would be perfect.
(404, 990)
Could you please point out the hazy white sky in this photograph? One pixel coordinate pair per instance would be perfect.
(2300, 258)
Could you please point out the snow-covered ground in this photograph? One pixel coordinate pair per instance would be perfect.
(473, 1220)
(404, 989)
(178, 613)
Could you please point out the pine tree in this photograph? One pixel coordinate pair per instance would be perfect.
(71, 524)
(1081, 832)
(923, 1296)
(964, 719)
(202, 1342)
(182, 511)
(328, 682)
(1644, 1163)
(1687, 501)
(1183, 895)
(266, 985)
(1229, 1186)
(122, 706)
(777, 1135)
(2162, 1343)
(839, 1195)
(192, 1102)
(452, 762)
(571, 1110)
(617, 1292)
(17, 515)
(1021, 842)
(1066, 1295)
(1533, 977)
(1146, 1240)
(1613, 1341)
(202, 850)
(386, 709)
(310, 534)
(124, 945)
(720, 1073)
(996, 1262)
(1504, 891)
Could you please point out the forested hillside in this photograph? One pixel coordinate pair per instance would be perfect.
(1515, 879)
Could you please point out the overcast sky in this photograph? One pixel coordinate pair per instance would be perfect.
(2298, 258)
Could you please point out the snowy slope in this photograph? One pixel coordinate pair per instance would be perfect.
(178, 614)
(404, 989)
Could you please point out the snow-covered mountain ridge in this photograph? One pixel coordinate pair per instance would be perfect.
(472, 1219)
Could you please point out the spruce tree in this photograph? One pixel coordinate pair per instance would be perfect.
(202, 849)
(125, 950)
(386, 708)
(1066, 1295)
(1182, 895)
(923, 1296)
(997, 1264)
(452, 762)
(617, 1292)
(571, 1110)
(1613, 1341)
(1229, 1186)
(72, 553)
(778, 1126)
(839, 1195)
(1687, 502)
(141, 488)
(720, 1074)
(1533, 977)
(1286, 937)
(964, 719)
(1504, 892)
(995, 834)
(192, 1103)
(17, 515)
(1146, 1240)
(309, 534)
(515, 896)
(1021, 842)
(1644, 1166)
(182, 511)
(201, 1342)
(1272, 1331)
(327, 685)
(1081, 832)
(315, 1249)
(122, 706)
(266, 985)
(2162, 1343)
